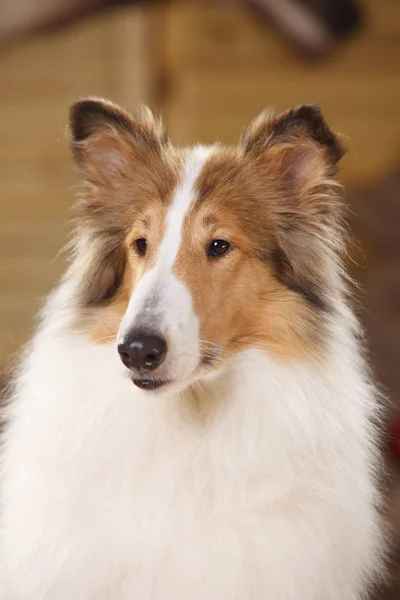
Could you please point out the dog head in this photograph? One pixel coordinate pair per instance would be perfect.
(187, 257)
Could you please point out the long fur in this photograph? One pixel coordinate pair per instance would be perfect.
(256, 482)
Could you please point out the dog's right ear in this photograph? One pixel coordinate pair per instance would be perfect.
(105, 138)
(109, 147)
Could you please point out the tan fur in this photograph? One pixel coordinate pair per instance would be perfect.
(150, 225)
(239, 300)
(128, 173)
(273, 197)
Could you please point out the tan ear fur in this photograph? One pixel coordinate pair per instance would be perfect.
(105, 137)
(298, 154)
(122, 170)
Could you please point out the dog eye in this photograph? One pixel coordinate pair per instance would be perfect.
(140, 246)
(218, 248)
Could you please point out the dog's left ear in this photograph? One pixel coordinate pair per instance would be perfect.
(296, 155)
(297, 143)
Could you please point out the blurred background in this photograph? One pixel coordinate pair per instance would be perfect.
(208, 66)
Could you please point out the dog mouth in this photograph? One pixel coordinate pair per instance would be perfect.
(152, 384)
(149, 384)
(205, 364)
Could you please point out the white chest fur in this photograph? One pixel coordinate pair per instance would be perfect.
(255, 486)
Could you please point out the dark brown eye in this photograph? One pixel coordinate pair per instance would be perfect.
(140, 246)
(218, 248)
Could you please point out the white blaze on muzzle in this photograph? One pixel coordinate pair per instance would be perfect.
(161, 304)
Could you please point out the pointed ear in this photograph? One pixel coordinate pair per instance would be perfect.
(109, 146)
(104, 137)
(297, 155)
(299, 140)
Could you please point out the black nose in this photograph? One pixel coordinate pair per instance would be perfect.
(142, 352)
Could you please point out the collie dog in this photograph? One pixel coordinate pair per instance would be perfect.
(194, 419)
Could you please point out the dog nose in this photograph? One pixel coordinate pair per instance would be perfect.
(142, 352)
